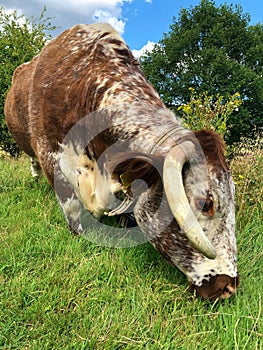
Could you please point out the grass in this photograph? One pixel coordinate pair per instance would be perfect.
(58, 291)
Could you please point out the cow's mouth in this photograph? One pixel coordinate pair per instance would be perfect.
(218, 287)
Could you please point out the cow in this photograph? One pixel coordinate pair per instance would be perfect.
(88, 118)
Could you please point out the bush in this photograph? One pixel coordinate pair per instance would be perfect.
(208, 112)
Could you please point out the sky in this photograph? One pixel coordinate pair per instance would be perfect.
(140, 22)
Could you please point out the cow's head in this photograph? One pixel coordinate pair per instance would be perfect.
(184, 204)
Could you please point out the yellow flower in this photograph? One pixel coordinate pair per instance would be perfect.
(185, 108)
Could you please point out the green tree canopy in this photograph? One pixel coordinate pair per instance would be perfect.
(21, 39)
(214, 50)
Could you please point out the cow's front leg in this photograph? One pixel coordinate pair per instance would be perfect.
(70, 204)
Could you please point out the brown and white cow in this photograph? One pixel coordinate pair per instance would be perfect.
(83, 110)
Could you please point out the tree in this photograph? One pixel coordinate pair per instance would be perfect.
(21, 39)
(211, 49)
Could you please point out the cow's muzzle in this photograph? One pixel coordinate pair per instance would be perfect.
(218, 287)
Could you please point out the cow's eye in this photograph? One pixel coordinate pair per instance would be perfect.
(200, 203)
(206, 205)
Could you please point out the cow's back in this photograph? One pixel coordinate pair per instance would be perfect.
(71, 78)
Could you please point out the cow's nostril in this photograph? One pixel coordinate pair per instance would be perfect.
(229, 289)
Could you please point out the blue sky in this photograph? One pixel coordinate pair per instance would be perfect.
(148, 21)
(139, 21)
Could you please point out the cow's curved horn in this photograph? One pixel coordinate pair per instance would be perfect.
(177, 199)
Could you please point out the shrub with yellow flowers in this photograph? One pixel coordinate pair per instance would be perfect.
(209, 112)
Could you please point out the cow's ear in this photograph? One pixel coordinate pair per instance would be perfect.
(131, 166)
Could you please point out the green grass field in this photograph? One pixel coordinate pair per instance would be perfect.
(59, 291)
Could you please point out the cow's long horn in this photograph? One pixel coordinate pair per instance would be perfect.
(177, 199)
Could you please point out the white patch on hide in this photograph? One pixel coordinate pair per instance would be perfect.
(96, 190)
(68, 160)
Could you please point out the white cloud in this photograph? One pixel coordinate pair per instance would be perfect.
(105, 16)
(20, 20)
(64, 14)
(147, 47)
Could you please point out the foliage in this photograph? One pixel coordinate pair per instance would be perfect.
(21, 39)
(214, 50)
(247, 170)
(205, 112)
(63, 292)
